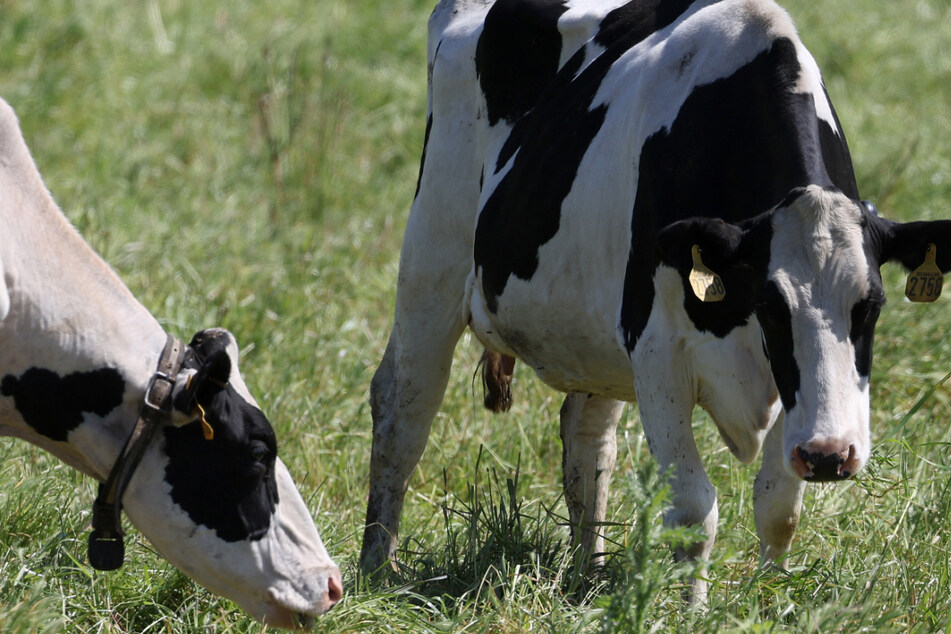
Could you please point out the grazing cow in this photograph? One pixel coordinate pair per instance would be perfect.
(84, 366)
(650, 199)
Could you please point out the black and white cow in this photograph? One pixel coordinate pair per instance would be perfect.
(587, 164)
(77, 352)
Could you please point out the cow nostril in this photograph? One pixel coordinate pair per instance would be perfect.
(800, 460)
(334, 588)
(825, 464)
(851, 463)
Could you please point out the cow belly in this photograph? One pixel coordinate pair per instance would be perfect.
(570, 348)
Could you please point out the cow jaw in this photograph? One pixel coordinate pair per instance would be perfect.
(284, 578)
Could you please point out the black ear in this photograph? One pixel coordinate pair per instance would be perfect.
(721, 265)
(217, 368)
(718, 241)
(212, 377)
(907, 242)
(722, 245)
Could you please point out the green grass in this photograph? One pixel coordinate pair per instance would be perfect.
(272, 148)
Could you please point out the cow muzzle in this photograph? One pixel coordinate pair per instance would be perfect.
(287, 610)
(825, 461)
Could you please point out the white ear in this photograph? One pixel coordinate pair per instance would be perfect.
(178, 417)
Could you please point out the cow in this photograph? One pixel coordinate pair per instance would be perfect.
(650, 201)
(89, 375)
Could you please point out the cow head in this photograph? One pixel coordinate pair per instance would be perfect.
(809, 271)
(216, 501)
(221, 505)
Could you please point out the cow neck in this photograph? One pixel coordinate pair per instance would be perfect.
(106, 550)
(73, 320)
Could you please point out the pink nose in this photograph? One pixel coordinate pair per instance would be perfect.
(334, 588)
(824, 461)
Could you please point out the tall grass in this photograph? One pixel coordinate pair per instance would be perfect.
(272, 148)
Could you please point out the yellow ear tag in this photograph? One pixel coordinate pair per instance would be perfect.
(707, 285)
(924, 283)
(206, 428)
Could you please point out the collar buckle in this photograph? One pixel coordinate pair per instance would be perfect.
(157, 393)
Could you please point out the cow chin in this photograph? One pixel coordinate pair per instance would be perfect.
(288, 609)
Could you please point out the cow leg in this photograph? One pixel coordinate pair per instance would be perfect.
(408, 387)
(666, 404)
(405, 394)
(589, 449)
(777, 499)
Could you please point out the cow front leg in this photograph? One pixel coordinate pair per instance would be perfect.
(589, 450)
(666, 405)
(405, 394)
(777, 500)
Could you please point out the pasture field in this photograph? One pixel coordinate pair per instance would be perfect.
(251, 165)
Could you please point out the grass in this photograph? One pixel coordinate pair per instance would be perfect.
(272, 148)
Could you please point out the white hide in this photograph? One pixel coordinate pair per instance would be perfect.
(4, 295)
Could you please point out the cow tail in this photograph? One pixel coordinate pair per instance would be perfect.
(497, 371)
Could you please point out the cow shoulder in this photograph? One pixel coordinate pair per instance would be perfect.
(11, 139)
(522, 207)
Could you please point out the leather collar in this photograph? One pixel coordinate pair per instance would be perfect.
(106, 550)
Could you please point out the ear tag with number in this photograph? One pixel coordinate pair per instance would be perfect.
(707, 285)
(924, 283)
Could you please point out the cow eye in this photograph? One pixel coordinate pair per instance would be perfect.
(866, 312)
(864, 315)
(871, 316)
(259, 451)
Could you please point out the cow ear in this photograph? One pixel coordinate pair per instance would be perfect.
(907, 242)
(196, 388)
(923, 248)
(708, 251)
(714, 236)
(217, 370)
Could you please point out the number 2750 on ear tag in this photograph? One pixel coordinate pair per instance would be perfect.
(924, 283)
